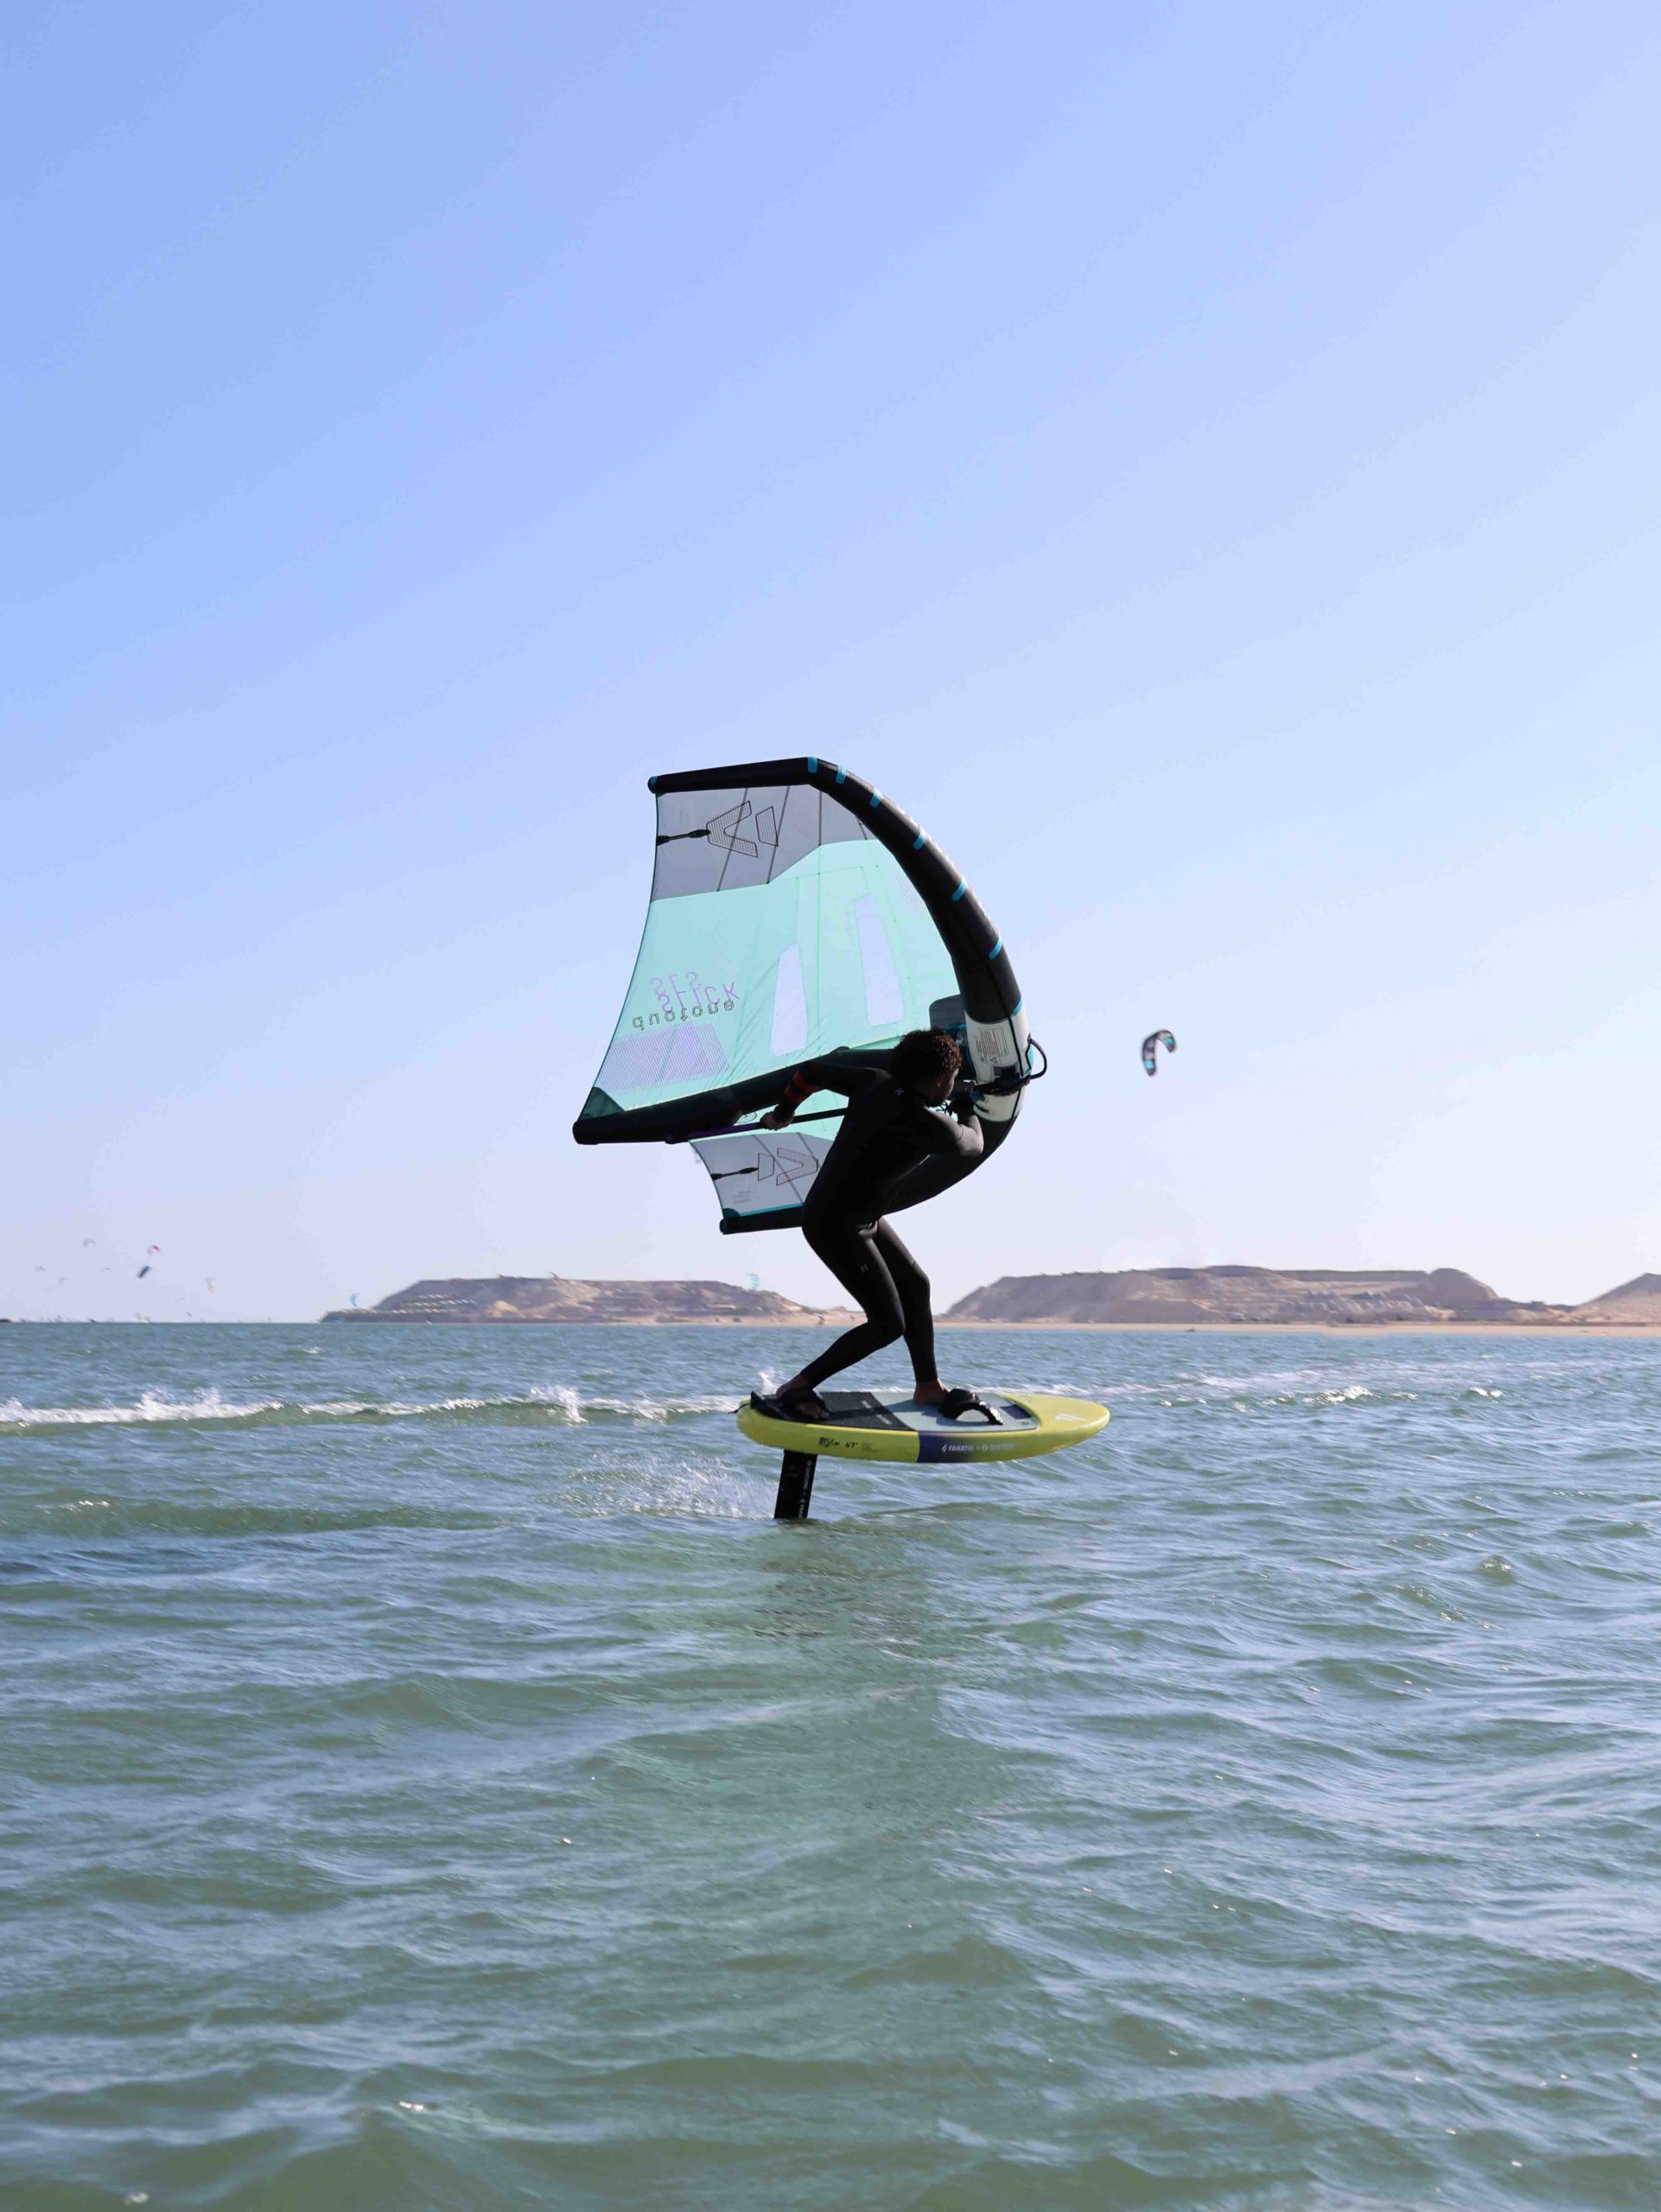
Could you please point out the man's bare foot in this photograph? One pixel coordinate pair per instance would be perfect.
(953, 1403)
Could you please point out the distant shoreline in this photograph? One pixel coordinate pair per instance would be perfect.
(847, 1320)
(838, 1321)
(813, 1319)
(1337, 1328)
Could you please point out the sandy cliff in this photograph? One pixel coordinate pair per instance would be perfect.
(563, 1298)
(1636, 1304)
(1289, 1296)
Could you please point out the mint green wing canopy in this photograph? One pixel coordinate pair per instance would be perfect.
(796, 915)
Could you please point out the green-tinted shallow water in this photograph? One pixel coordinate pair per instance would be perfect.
(430, 1780)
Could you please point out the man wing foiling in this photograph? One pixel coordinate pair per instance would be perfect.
(909, 1133)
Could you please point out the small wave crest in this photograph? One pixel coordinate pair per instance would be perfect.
(1277, 1390)
(559, 1405)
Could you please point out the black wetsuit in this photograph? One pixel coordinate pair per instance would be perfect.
(891, 1151)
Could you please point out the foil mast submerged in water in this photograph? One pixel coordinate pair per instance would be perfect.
(796, 915)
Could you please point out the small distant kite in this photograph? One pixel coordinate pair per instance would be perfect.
(144, 1271)
(85, 1241)
(152, 1248)
(755, 1282)
(1150, 1045)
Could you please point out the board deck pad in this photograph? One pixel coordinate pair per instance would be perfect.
(867, 1409)
(890, 1424)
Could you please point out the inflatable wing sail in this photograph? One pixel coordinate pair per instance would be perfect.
(796, 915)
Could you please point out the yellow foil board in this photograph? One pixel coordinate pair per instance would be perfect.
(887, 1425)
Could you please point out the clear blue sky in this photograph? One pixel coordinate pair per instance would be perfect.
(1202, 462)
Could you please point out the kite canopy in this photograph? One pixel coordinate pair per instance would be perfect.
(1150, 1045)
(796, 915)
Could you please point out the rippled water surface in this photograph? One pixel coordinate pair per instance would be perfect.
(428, 1779)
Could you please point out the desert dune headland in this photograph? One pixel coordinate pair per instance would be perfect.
(1129, 1298)
(565, 1298)
(1305, 1297)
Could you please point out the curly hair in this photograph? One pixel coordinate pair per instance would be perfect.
(925, 1052)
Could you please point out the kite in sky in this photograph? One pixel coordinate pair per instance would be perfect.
(1150, 1045)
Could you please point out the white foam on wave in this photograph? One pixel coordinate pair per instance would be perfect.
(152, 1406)
(660, 1409)
(560, 1402)
(563, 1395)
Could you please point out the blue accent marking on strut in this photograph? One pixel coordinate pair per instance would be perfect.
(842, 775)
(997, 948)
(813, 764)
(1016, 1007)
(920, 841)
(958, 893)
(876, 798)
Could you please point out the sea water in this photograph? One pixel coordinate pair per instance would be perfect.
(430, 1779)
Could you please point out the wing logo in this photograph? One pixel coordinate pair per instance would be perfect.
(742, 830)
(783, 1163)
